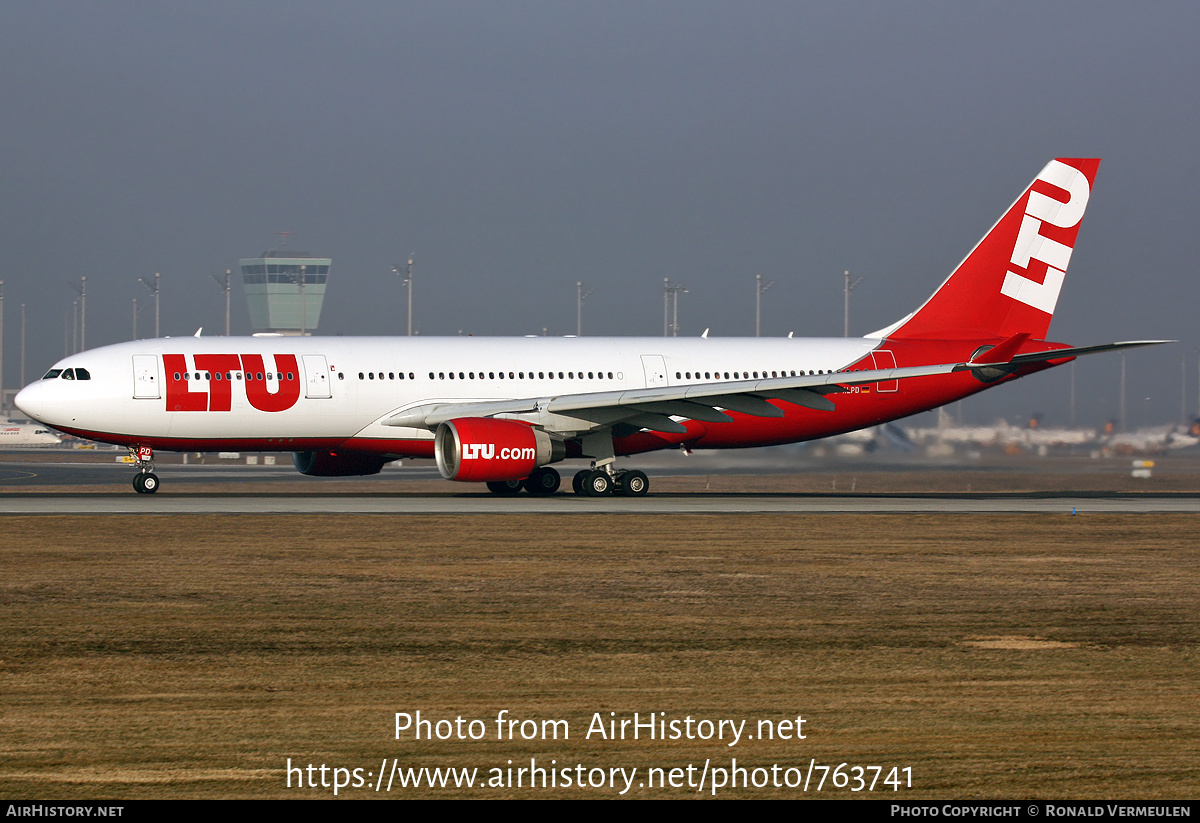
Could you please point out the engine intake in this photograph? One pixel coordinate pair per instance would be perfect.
(479, 449)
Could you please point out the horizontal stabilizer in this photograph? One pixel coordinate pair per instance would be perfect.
(986, 359)
(1038, 357)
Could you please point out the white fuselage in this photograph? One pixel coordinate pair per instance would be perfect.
(346, 387)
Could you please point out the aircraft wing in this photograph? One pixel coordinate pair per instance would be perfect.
(652, 408)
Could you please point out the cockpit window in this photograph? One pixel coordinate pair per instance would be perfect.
(68, 374)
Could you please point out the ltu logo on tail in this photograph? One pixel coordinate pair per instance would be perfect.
(1033, 245)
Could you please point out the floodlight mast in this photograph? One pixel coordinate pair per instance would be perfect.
(580, 296)
(407, 282)
(849, 287)
(81, 314)
(224, 283)
(671, 293)
(759, 288)
(153, 287)
(23, 383)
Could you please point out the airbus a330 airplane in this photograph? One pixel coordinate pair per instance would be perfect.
(502, 410)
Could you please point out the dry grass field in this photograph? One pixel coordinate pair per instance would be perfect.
(995, 656)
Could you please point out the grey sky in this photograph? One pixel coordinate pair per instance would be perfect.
(516, 147)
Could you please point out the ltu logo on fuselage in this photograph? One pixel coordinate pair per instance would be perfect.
(272, 391)
(1033, 245)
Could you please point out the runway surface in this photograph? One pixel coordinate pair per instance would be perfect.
(49, 488)
(165, 503)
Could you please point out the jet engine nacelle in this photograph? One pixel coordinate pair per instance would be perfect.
(478, 449)
(337, 463)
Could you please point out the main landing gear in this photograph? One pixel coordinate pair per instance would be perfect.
(601, 479)
(145, 481)
(588, 483)
(598, 482)
(543, 480)
(604, 477)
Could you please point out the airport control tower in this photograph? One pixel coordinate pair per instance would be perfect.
(284, 290)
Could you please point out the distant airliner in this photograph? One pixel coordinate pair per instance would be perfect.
(501, 410)
(16, 435)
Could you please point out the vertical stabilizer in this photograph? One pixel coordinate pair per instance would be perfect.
(1009, 283)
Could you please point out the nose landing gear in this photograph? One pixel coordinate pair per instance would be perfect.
(145, 481)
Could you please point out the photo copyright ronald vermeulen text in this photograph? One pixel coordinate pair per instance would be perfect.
(710, 777)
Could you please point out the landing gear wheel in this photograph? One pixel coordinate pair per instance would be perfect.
(504, 488)
(542, 481)
(146, 483)
(597, 483)
(578, 480)
(633, 484)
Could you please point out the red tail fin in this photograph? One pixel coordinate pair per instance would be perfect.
(1009, 283)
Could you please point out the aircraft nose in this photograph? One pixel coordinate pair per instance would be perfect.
(31, 400)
